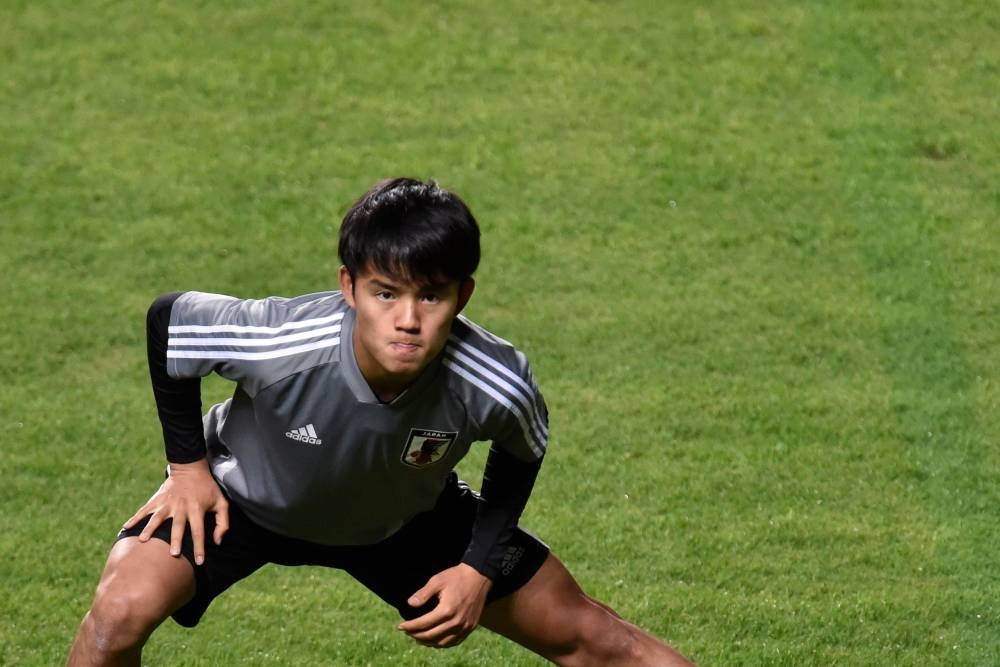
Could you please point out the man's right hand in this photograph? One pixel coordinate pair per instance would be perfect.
(185, 496)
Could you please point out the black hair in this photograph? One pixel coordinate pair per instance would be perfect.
(410, 230)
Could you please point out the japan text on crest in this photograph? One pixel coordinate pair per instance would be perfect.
(424, 447)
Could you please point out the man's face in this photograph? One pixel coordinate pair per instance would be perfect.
(400, 327)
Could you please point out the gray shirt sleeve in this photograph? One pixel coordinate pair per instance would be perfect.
(254, 342)
(500, 391)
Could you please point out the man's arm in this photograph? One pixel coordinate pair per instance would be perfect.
(462, 590)
(507, 484)
(178, 401)
(190, 490)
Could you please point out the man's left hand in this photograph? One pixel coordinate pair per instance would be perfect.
(461, 593)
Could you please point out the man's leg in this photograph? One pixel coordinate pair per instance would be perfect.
(551, 616)
(142, 585)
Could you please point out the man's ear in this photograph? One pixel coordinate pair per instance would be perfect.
(347, 285)
(465, 291)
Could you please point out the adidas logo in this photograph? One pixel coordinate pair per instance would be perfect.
(305, 434)
(511, 558)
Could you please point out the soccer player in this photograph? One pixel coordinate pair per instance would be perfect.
(337, 448)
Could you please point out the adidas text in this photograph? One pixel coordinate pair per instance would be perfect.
(306, 434)
(511, 558)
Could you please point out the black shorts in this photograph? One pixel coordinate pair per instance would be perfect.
(393, 569)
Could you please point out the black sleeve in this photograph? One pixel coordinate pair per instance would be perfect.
(178, 402)
(507, 483)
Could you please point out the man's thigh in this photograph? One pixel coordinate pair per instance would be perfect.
(244, 549)
(548, 614)
(553, 617)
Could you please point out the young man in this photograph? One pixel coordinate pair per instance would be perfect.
(351, 409)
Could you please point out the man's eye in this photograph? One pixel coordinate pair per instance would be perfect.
(383, 295)
(431, 298)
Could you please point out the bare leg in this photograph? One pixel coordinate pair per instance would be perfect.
(551, 616)
(141, 585)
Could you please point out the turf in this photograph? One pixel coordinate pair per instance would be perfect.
(750, 250)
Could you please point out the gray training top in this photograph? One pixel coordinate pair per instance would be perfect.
(305, 447)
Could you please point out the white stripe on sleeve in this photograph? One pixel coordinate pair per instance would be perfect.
(222, 355)
(535, 445)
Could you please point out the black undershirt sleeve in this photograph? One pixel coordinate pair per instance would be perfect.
(507, 484)
(178, 402)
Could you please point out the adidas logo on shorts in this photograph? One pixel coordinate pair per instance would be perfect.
(306, 434)
(511, 558)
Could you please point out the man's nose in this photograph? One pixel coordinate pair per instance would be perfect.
(408, 316)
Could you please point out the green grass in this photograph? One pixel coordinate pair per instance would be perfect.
(751, 252)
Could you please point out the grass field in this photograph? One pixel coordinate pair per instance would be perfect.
(752, 252)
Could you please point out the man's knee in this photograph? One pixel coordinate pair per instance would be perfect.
(120, 621)
(141, 586)
(601, 637)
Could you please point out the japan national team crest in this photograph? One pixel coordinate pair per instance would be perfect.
(425, 447)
